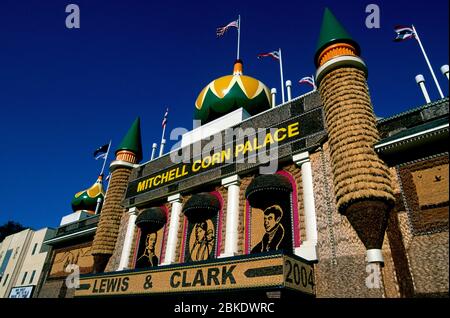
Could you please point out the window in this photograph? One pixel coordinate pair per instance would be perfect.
(24, 277)
(6, 279)
(5, 262)
(34, 249)
(32, 277)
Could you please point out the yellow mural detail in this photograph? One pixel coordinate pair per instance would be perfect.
(202, 240)
(78, 255)
(149, 251)
(269, 232)
(437, 177)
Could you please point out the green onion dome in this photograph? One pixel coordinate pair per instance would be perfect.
(87, 199)
(229, 93)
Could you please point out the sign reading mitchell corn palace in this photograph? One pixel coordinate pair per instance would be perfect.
(215, 220)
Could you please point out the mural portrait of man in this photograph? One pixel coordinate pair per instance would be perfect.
(148, 257)
(274, 230)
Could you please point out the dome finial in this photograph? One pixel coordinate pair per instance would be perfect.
(238, 66)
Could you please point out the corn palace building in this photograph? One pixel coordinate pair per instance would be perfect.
(315, 197)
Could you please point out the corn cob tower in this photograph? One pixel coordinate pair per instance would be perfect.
(128, 154)
(361, 179)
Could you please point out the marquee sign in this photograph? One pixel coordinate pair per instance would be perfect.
(238, 150)
(274, 270)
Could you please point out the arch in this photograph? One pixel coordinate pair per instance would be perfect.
(151, 224)
(202, 230)
(257, 192)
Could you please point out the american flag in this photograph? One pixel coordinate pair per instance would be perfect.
(403, 33)
(221, 31)
(308, 80)
(164, 122)
(275, 55)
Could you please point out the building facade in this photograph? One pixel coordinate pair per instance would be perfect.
(312, 198)
(22, 259)
(71, 246)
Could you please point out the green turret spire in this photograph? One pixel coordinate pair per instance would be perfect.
(132, 140)
(331, 32)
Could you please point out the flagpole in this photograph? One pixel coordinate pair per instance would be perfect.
(106, 157)
(161, 147)
(281, 74)
(239, 35)
(163, 141)
(428, 62)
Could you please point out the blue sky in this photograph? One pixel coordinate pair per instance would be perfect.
(65, 92)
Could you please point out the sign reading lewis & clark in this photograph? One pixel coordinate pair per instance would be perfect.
(272, 270)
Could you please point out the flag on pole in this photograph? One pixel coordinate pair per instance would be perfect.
(221, 30)
(403, 33)
(308, 80)
(164, 122)
(409, 32)
(275, 55)
(101, 152)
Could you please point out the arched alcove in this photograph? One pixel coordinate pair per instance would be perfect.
(202, 227)
(271, 216)
(151, 225)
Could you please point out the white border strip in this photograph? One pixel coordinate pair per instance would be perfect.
(411, 136)
(62, 238)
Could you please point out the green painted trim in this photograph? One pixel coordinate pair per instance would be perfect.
(132, 140)
(214, 107)
(331, 32)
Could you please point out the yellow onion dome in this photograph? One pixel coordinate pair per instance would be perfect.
(87, 199)
(229, 93)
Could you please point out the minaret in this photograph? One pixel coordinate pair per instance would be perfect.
(128, 154)
(361, 179)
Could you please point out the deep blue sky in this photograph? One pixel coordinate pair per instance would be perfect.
(65, 92)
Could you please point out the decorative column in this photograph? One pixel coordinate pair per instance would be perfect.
(273, 92)
(308, 248)
(172, 240)
(289, 89)
(128, 242)
(232, 223)
(444, 70)
(361, 179)
(420, 80)
(128, 154)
